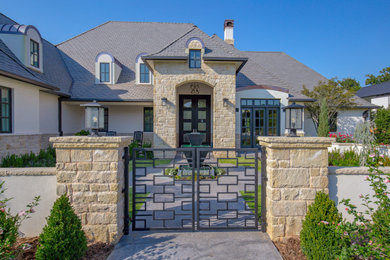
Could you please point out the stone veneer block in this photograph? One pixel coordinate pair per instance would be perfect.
(90, 173)
(296, 169)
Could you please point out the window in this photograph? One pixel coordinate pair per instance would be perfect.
(104, 72)
(333, 123)
(194, 59)
(144, 76)
(34, 53)
(148, 119)
(5, 110)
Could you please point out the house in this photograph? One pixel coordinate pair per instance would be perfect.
(378, 94)
(165, 79)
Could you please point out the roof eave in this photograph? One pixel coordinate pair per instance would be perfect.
(108, 100)
(27, 80)
(164, 58)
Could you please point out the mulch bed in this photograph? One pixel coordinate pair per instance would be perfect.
(96, 250)
(290, 249)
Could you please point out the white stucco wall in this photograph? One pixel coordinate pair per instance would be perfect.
(381, 101)
(72, 118)
(309, 127)
(348, 119)
(48, 113)
(349, 183)
(22, 188)
(261, 93)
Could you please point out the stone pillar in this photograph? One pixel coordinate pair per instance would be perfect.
(90, 170)
(296, 168)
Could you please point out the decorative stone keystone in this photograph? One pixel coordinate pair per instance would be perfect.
(296, 168)
(90, 170)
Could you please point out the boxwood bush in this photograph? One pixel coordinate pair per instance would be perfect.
(45, 158)
(62, 237)
(318, 237)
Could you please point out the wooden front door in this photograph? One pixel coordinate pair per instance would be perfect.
(194, 115)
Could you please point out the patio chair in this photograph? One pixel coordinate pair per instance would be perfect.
(111, 133)
(138, 137)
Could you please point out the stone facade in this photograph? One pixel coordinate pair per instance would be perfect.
(295, 170)
(90, 171)
(168, 76)
(20, 144)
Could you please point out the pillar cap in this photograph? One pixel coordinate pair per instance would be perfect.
(90, 142)
(296, 142)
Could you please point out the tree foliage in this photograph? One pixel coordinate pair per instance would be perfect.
(323, 127)
(382, 122)
(384, 75)
(333, 94)
(350, 84)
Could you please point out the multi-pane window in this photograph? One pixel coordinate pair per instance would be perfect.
(5, 110)
(148, 119)
(194, 60)
(34, 53)
(144, 73)
(104, 72)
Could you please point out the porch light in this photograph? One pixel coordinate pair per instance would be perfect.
(164, 101)
(225, 102)
(293, 118)
(94, 117)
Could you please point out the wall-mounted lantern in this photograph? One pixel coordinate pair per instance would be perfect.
(293, 118)
(164, 101)
(94, 117)
(225, 102)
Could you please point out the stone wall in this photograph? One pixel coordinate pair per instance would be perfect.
(170, 75)
(295, 170)
(90, 170)
(22, 185)
(20, 144)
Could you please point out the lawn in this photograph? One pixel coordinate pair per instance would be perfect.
(249, 198)
(243, 162)
(139, 201)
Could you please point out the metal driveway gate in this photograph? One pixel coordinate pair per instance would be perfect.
(192, 188)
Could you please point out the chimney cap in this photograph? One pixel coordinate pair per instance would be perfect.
(228, 23)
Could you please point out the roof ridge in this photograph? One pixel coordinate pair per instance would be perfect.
(78, 35)
(173, 42)
(265, 51)
(150, 22)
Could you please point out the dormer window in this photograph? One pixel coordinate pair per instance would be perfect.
(144, 74)
(104, 72)
(107, 69)
(194, 59)
(34, 53)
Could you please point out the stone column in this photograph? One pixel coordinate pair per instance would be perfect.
(90, 171)
(296, 168)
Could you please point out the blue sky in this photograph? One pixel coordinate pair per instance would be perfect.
(343, 38)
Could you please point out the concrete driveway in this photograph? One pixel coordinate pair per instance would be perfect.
(195, 245)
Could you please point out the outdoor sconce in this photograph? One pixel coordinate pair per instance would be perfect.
(94, 117)
(225, 102)
(293, 118)
(164, 101)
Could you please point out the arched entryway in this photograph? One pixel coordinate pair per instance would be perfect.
(194, 111)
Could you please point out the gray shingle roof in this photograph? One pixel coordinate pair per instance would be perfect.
(55, 73)
(125, 41)
(375, 90)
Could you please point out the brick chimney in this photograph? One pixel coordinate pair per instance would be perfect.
(228, 31)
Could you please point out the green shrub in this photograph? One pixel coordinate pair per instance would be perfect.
(82, 133)
(62, 237)
(147, 154)
(45, 158)
(382, 122)
(318, 237)
(350, 158)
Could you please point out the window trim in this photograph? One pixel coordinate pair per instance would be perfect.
(140, 74)
(100, 72)
(10, 111)
(195, 59)
(152, 123)
(34, 54)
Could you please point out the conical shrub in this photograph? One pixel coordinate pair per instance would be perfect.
(62, 237)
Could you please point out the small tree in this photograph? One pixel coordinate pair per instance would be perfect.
(334, 95)
(365, 138)
(384, 75)
(62, 237)
(382, 122)
(323, 128)
(318, 237)
(350, 84)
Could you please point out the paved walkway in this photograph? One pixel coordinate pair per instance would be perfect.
(196, 245)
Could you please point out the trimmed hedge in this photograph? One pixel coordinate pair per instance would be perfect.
(45, 158)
